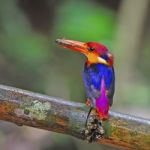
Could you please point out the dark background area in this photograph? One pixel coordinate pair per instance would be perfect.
(30, 59)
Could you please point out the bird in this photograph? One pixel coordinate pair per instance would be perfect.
(98, 74)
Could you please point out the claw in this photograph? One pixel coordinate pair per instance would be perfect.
(88, 102)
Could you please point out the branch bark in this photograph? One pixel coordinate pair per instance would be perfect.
(32, 109)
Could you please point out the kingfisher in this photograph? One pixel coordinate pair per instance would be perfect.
(98, 74)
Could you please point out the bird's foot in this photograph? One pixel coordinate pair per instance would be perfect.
(88, 102)
(94, 130)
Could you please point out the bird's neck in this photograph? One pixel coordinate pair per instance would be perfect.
(97, 67)
(88, 63)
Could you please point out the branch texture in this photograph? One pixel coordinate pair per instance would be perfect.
(32, 109)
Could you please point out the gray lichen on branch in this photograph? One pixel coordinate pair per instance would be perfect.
(54, 114)
(36, 109)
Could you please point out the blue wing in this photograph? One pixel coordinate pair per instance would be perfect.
(92, 77)
(111, 88)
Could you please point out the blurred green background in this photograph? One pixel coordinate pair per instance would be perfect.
(30, 59)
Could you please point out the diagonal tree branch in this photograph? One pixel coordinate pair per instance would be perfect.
(54, 114)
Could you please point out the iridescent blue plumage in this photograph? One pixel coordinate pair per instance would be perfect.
(93, 76)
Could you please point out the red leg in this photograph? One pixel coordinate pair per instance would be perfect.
(88, 102)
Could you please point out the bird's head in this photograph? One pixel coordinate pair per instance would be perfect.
(95, 52)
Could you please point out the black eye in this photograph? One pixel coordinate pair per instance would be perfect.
(91, 49)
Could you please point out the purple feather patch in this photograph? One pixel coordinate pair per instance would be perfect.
(102, 103)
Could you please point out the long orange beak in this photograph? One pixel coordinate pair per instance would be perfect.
(82, 48)
(73, 45)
